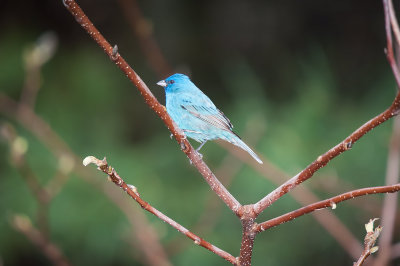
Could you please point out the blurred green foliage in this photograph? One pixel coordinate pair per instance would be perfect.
(92, 106)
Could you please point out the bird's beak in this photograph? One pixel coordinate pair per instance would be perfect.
(162, 83)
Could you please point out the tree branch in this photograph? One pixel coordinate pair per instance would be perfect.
(369, 241)
(304, 196)
(346, 144)
(324, 159)
(328, 203)
(388, 216)
(152, 102)
(132, 192)
(388, 9)
(44, 133)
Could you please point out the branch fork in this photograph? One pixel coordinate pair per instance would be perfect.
(246, 213)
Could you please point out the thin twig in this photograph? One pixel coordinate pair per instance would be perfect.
(324, 159)
(369, 241)
(247, 212)
(389, 48)
(328, 203)
(132, 192)
(304, 197)
(390, 201)
(393, 22)
(153, 103)
(346, 144)
(44, 133)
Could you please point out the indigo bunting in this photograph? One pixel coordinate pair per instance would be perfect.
(196, 114)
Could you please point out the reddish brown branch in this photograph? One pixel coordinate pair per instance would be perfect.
(304, 197)
(228, 169)
(152, 102)
(346, 144)
(132, 192)
(42, 130)
(388, 9)
(248, 235)
(328, 203)
(324, 159)
(369, 242)
(390, 202)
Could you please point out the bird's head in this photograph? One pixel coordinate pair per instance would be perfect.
(175, 82)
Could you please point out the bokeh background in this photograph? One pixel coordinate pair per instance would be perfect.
(294, 77)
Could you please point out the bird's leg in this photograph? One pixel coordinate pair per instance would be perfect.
(201, 145)
(198, 149)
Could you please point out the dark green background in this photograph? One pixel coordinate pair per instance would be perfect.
(303, 74)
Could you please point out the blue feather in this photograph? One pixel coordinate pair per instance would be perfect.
(197, 115)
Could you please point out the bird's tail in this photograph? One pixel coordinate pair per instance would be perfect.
(235, 140)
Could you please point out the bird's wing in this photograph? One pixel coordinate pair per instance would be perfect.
(209, 114)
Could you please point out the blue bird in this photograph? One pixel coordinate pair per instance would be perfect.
(196, 114)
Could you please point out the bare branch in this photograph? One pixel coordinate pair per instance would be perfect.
(390, 201)
(346, 144)
(248, 237)
(228, 169)
(133, 193)
(44, 133)
(324, 159)
(388, 8)
(304, 196)
(393, 21)
(328, 203)
(369, 241)
(152, 102)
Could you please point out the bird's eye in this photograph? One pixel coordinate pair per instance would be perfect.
(171, 82)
